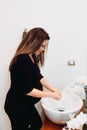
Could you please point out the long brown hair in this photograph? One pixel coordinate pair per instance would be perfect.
(31, 42)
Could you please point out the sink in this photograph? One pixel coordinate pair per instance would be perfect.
(60, 111)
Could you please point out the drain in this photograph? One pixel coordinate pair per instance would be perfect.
(61, 109)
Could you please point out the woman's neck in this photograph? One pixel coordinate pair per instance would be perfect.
(31, 57)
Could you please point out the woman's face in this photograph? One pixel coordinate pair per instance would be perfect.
(42, 47)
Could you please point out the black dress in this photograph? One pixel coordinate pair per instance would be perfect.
(25, 75)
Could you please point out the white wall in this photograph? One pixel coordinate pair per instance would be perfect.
(64, 20)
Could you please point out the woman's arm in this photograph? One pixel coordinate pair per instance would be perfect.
(45, 83)
(39, 94)
(54, 93)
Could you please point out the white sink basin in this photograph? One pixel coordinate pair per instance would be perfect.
(60, 111)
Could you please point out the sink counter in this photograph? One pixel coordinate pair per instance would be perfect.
(48, 125)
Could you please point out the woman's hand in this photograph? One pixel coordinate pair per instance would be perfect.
(56, 95)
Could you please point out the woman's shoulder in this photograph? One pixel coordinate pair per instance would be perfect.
(23, 58)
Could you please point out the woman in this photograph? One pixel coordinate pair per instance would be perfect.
(27, 82)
